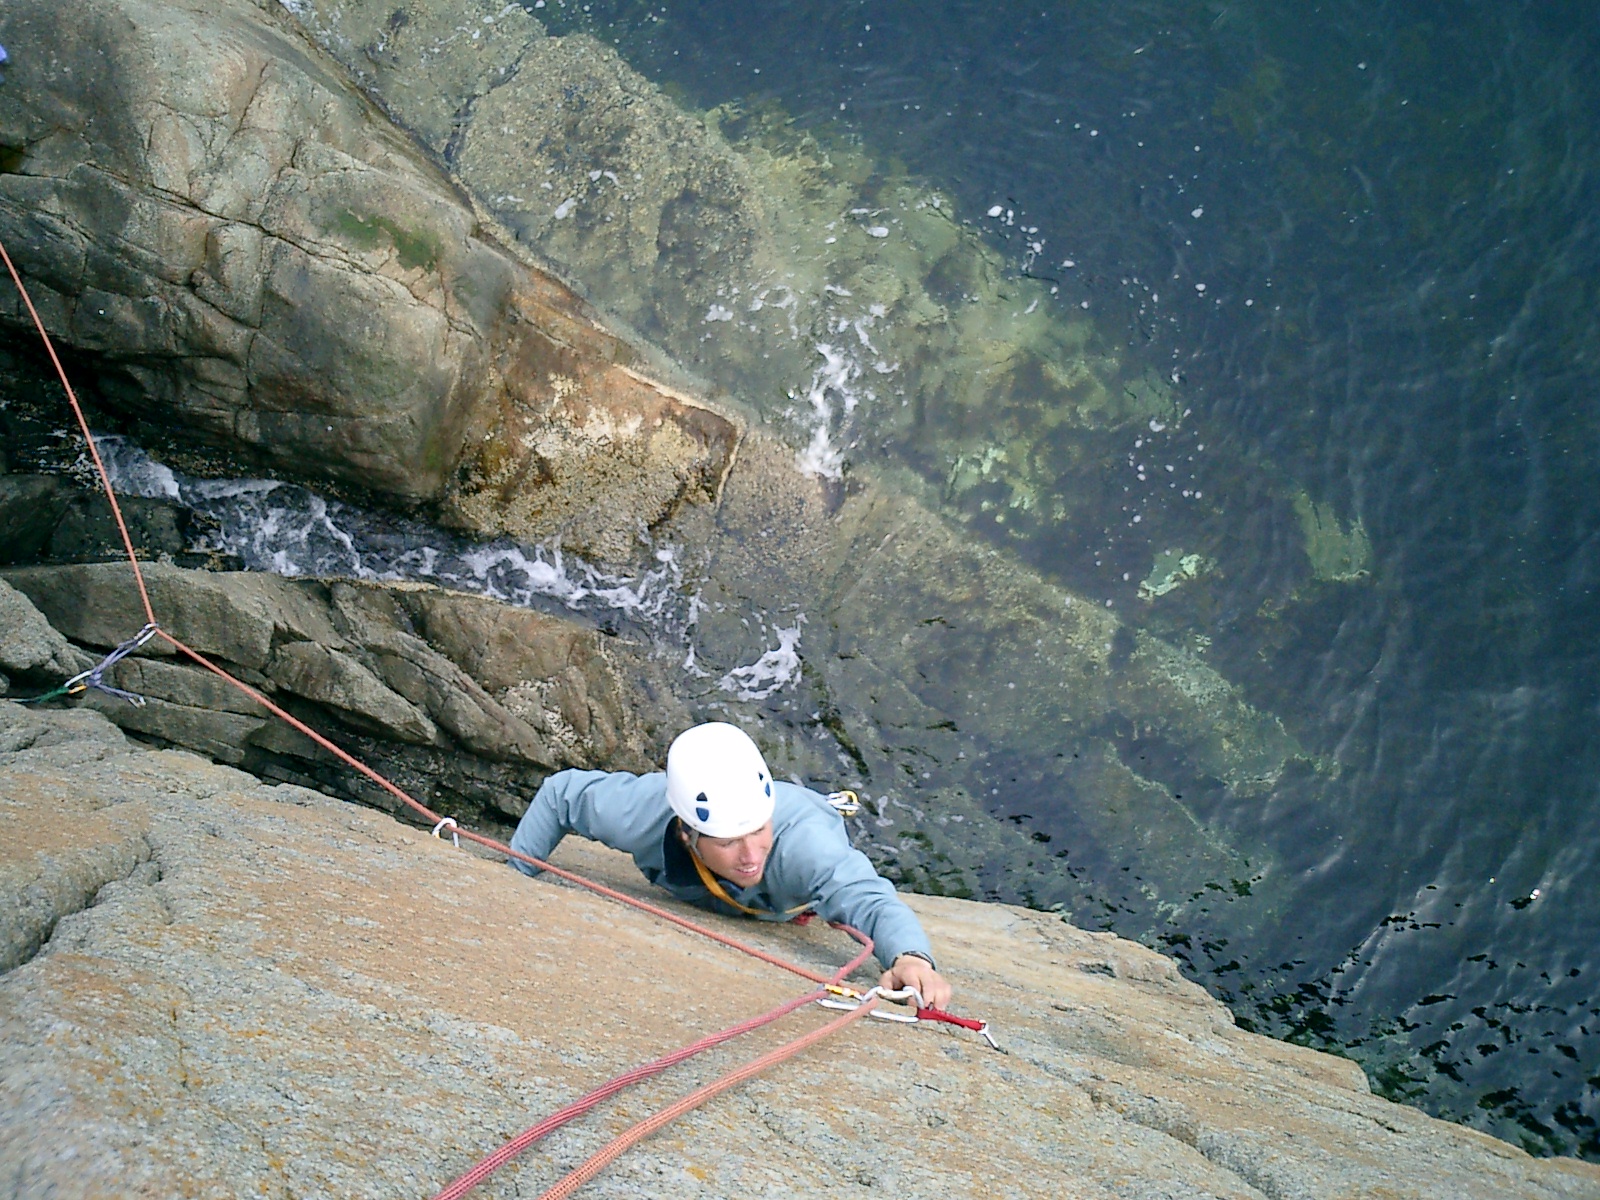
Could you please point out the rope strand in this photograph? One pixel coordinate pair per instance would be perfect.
(83, 425)
(637, 1133)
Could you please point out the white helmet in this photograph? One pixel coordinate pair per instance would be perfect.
(717, 781)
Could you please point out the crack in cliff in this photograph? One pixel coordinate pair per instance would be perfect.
(1252, 1165)
(59, 886)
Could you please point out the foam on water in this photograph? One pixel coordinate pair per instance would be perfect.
(774, 669)
(836, 390)
(289, 530)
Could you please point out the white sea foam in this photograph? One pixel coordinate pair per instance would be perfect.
(836, 391)
(134, 473)
(774, 669)
(830, 384)
(285, 529)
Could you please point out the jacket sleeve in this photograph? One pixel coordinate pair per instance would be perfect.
(615, 808)
(845, 887)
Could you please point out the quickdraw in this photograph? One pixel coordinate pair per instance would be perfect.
(848, 998)
(93, 677)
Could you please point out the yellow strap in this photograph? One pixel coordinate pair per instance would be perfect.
(714, 886)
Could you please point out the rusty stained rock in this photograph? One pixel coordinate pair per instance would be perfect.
(581, 445)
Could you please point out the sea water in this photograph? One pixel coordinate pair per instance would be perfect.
(1361, 241)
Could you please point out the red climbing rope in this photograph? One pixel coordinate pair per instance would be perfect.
(94, 452)
(598, 1162)
(505, 1153)
(493, 1162)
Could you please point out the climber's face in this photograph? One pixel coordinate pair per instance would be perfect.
(740, 860)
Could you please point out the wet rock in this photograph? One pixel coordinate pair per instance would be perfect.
(247, 989)
(49, 519)
(253, 260)
(31, 507)
(357, 661)
(790, 270)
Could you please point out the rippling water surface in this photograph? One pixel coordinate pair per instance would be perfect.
(1361, 239)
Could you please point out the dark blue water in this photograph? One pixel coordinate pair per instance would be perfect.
(1364, 239)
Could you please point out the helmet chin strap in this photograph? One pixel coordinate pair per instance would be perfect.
(691, 839)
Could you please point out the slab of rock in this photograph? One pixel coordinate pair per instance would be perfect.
(467, 701)
(217, 988)
(28, 642)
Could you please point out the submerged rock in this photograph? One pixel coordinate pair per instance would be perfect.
(218, 988)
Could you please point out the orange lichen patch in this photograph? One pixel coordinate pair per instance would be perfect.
(42, 815)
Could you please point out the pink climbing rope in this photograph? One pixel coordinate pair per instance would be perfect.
(637, 1133)
(464, 1183)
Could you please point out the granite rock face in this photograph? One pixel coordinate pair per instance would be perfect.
(215, 988)
(28, 642)
(258, 265)
(465, 702)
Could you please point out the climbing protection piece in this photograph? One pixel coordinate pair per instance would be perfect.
(93, 677)
(848, 998)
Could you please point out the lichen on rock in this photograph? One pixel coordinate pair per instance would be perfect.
(240, 988)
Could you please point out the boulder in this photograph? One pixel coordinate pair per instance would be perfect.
(257, 264)
(218, 988)
(29, 644)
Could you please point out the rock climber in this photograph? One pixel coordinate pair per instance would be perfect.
(715, 829)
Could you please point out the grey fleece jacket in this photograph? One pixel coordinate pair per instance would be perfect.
(812, 861)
